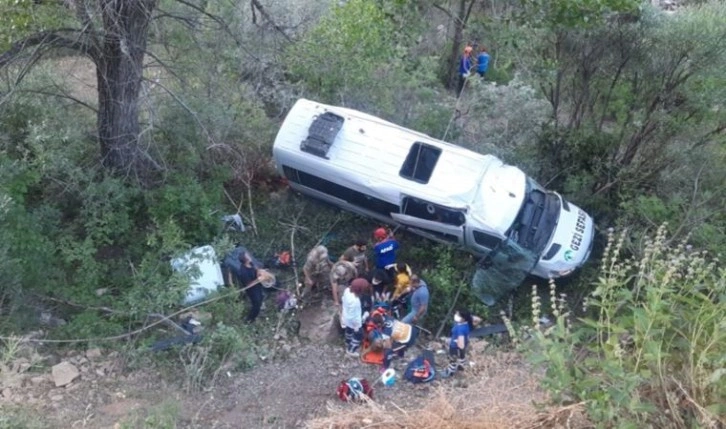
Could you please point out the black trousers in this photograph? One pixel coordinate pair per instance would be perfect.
(256, 296)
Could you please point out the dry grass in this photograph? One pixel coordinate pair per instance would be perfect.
(500, 391)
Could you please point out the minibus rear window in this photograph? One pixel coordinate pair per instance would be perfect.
(420, 162)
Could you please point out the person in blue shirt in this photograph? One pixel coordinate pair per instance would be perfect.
(419, 301)
(385, 248)
(463, 324)
(464, 67)
(482, 61)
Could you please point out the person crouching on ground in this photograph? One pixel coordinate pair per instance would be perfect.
(459, 342)
(419, 301)
(393, 336)
(342, 273)
(357, 255)
(317, 269)
(351, 318)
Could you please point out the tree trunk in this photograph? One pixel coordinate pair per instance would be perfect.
(459, 23)
(119, 73)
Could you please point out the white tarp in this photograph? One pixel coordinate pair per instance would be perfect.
(204, 271)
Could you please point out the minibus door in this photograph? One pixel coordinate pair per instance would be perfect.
(502, 271)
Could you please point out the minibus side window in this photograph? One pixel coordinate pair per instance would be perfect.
(346, 194)
(486, 240)
(433, 212)
(420, 162)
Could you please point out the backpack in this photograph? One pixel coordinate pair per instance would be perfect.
(422, 369)
(354, 389)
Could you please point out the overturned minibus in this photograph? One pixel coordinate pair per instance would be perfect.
(438, 190)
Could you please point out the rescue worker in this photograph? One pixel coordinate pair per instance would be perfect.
(340, 276)
(351, 317)
(391, 335)
(317, 269)
(385, 248)
(357, 255)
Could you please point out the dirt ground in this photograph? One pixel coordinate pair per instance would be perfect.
(287, 391)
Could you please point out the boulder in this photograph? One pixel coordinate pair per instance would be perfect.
(64, 373)
(93, 353)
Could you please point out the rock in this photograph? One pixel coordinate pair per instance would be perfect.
(101, 372)
(7, 393)
(287, 348)
(102, 291)
(93, 353)
(367, 422)
(64, 373)
(106, 367)
(37, 381)
(56, 398)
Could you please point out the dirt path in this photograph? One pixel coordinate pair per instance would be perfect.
(296, 386)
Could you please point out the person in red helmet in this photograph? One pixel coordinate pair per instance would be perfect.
(385, 248)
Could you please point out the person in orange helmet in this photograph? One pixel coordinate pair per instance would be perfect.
(464, 67)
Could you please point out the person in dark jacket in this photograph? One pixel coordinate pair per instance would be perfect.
(247, 275)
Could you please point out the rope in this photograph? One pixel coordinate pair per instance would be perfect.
(456, 109)
(162, 319)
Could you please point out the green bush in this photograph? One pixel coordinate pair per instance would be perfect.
(225, 348)
(651, 348)
(448, 279)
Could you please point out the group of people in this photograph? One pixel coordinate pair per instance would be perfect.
(467, 63)
(381, 304)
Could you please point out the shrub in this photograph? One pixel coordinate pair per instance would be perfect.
(651, 348)
(448, 282)
(224, 347)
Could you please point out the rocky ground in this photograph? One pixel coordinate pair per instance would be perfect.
(95, 388)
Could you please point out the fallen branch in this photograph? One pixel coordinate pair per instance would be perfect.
(163, 319)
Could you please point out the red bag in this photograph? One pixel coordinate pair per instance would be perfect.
(354, 389)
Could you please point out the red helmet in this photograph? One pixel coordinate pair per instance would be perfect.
(380, 234)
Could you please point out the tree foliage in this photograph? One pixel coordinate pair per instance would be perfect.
(344, 50)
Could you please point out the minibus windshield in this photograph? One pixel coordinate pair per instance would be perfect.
(537, 218)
